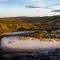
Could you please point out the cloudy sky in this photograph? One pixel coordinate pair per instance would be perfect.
(12, 8)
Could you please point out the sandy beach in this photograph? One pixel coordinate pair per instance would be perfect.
(29, 43)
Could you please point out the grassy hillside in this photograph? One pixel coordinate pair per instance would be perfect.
(29, 23)
(13, 25)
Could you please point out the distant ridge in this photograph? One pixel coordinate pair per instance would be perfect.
(45, 19)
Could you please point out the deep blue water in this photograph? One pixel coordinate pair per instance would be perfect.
(42, 54)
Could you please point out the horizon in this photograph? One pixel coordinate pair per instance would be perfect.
(27, 16)
(32, 8)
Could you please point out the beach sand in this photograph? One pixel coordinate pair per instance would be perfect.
(29, 43)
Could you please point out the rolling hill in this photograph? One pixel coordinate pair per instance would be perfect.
(11, 24)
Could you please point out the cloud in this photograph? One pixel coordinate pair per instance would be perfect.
(54, 6)
(35, 3)
(21, 8)
(32, 7)
(28, 3)
(13, 3)
(55, 11)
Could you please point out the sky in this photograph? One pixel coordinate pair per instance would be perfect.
(32, 8)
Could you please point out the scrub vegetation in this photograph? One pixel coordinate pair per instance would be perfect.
(45, 26)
